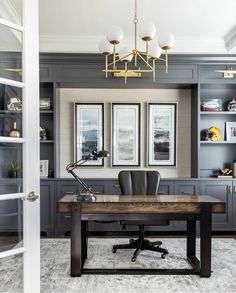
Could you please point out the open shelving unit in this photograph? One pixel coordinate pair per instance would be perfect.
(220, 154)
(47, 120)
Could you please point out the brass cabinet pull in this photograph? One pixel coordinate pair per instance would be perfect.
(229, 188)
(67, 216)
(234, 189)
(116, 185)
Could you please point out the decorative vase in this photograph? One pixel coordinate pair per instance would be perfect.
(14, 132)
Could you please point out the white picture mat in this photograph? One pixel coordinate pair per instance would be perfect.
(83, 124)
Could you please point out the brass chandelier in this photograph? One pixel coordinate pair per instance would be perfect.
(135, 61)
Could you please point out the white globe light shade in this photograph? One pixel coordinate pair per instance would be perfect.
(123, 54)
(147, 31)
(105, 47)
(115, 35)
(154, 51)
(166, 41)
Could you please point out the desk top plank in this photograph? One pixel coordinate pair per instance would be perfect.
(143, 204)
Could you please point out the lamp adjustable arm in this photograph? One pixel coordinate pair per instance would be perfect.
(70, 169)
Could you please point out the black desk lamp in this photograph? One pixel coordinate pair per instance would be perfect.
(89, 192)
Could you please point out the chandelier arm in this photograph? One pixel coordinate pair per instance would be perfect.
(114, 56)
(120, 59)
(166, 61)
(145, 61)
(154, 69)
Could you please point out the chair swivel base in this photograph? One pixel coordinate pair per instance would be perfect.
(141, 244)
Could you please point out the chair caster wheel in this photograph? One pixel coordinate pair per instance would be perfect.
(133, 259)
(114, 250)
(163, 256)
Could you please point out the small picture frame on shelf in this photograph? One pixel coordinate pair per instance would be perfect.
(231, 131)
(44, 168)
(45, 104)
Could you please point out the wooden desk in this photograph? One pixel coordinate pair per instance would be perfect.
(162, 207)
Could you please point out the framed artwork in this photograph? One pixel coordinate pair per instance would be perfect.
(231, 131)
(45, 104)
(44, 167)
(125, 134)
(89, 132)
(162, 134)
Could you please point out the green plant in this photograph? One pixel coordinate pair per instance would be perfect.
(13, 165)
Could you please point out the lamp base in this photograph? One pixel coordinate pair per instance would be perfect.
(86, 197)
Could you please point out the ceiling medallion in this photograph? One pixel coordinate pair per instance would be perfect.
(135, 61)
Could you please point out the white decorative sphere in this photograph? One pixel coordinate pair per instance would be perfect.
(105, 47)
(166, 41)
(115, 35)
(154, 51)
(123, 54)
(147, 31)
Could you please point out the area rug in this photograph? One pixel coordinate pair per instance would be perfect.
(55, 269)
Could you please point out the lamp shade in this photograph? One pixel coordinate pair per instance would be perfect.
(147, 31)
(105, 47)
(154, 51)
(115, 35)
(123, 54)
(166, 41)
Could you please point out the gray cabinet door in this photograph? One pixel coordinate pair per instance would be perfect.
(47, 207)
(185, 187)
(221, 190)
(166, 187)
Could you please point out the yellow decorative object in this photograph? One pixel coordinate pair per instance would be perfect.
(214, 133)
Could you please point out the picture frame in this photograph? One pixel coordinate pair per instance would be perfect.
(44, 168)
(161, 134)
(231, 131)
(89, 132)
(126, 134)
(45, 104)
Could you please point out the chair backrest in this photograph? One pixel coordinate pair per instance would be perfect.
(139, 182)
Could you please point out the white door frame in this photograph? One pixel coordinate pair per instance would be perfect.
(31, 181)
(30, 141)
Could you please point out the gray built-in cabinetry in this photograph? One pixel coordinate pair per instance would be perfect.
(197, 73)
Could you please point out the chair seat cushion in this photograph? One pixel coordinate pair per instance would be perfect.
(145, 223)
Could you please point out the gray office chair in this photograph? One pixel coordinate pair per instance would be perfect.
(140, 183)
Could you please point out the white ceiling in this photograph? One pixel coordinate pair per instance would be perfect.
(199, 26)
(77, 25)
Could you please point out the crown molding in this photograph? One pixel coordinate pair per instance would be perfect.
(230, 39)
(83, 44)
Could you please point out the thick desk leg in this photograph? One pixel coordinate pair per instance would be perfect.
(191, 239)
(76, 241)
(84, 240)
(205, 239)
